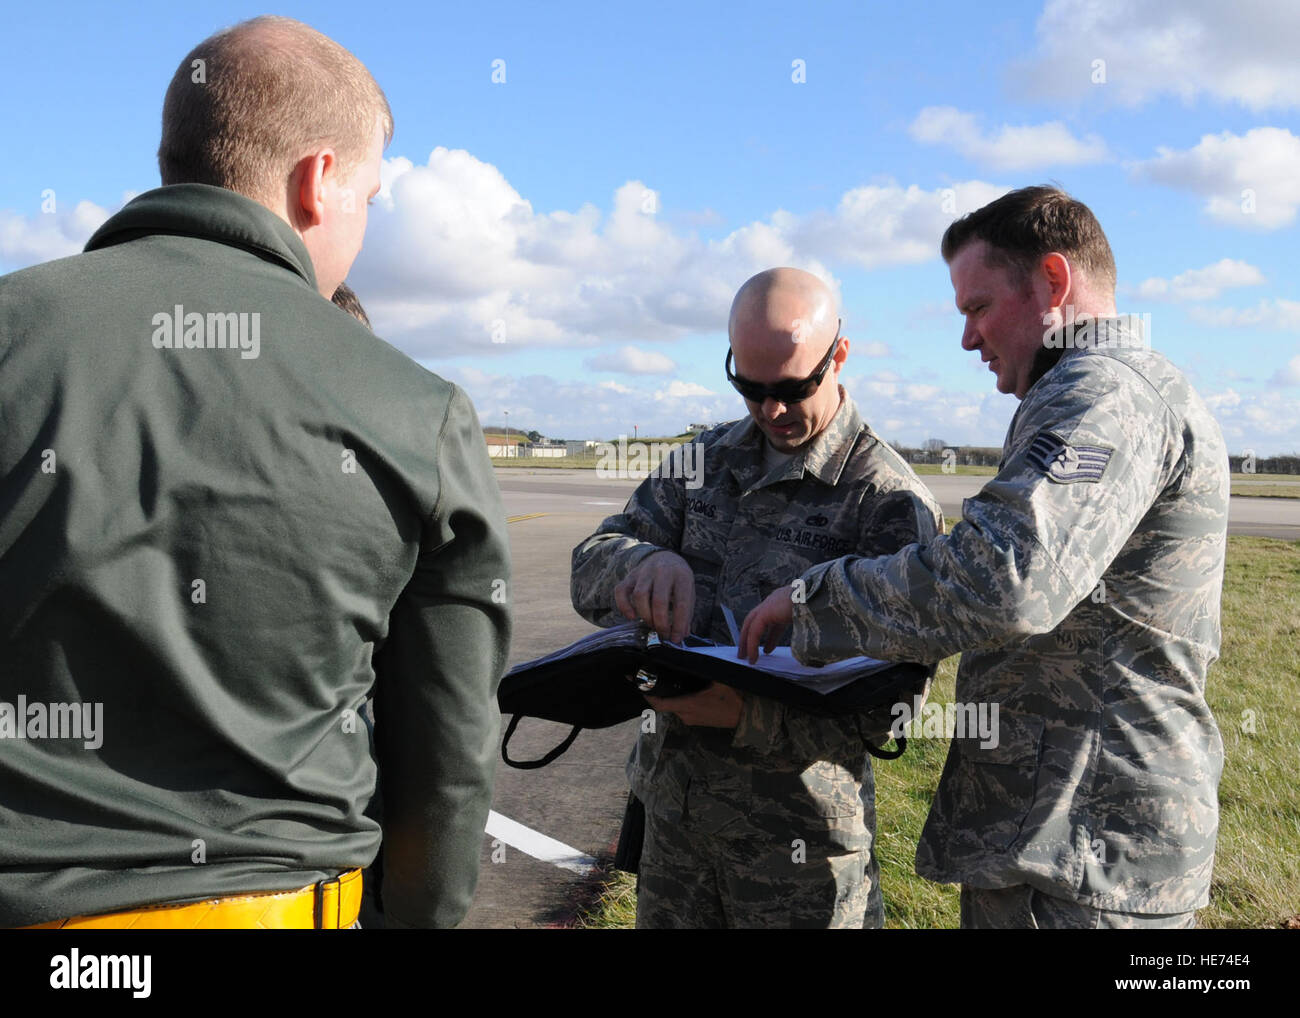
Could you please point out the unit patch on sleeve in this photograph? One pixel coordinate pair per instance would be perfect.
(1065, 463)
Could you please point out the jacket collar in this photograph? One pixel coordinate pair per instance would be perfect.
(823, 458)
(1092, 335)
(215, 213)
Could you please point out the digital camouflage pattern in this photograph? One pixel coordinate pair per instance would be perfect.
(1083, 585)
(783, 774)
(1025, 908)
(736, 880)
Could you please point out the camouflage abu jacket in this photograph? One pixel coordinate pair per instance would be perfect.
(745, 533)
(1083, 585)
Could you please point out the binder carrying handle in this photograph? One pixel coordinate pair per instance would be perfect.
(889, 754)
(528, 765)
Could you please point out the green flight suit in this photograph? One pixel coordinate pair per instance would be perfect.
(227, 512)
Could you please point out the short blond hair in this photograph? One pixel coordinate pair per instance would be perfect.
(265, 93)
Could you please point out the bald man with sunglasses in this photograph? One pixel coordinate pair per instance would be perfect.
(758, 814)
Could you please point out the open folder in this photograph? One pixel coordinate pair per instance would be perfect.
(600, 679)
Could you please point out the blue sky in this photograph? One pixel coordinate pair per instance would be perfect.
(596, 210)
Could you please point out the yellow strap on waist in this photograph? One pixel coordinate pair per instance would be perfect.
(329, 905)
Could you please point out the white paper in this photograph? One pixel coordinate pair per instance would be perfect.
(782, 662)
(732, 628)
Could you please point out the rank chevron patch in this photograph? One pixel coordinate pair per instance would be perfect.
(1065, 463)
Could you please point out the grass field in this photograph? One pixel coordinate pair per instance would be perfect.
(590, 462)
(559, 463)
(1253, 691)
(937, 468)
(1253, 489)
(1259, 486)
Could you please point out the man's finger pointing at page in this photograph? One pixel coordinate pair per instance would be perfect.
(769, 619)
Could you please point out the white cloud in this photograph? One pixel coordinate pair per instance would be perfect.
(1265, 422)
(884, 224)
(1201, 284)
(458, 262)
(1289, 375)
(870, 348)
(1010, 148)
(934, 311)
(899, 411)
(1277, 314)
(907, 411)
(631, 360)
(455, 257)
(1247, 180)
(27, 240)
(911, 412)
(1241, 52)
(920, 393)
(1222, 402)
(678, 389)
(562, 408)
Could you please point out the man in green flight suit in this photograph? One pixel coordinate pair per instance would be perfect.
(757, 814)
(230, 512)
(1082, 586)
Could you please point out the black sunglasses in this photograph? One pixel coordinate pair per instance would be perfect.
(788, 390)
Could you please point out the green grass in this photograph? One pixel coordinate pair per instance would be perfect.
(924, 469)
(590, 462)
(1257, 869)
(1256, 683)
(956, 468)
(546, 463)
(1267, 490)
(1256, 486)
(616, 907)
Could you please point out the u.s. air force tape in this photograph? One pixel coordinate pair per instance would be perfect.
(1065, 463)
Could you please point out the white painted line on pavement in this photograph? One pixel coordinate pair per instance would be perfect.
(601, 503)
(538, 845)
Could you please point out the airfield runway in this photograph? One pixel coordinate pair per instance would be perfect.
(549, 827)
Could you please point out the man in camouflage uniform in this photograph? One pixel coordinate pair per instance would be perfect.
(1083, 585)
(757, 814)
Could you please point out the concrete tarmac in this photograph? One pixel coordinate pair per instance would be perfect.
(579, 798)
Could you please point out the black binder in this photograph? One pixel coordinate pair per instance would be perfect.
(586, 684)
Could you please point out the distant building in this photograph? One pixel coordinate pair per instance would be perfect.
(544, 450)
(497, 446)
(587, 448)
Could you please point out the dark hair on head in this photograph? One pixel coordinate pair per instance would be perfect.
(347, 300)
(1022, 226)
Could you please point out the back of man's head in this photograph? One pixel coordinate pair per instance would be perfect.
(248, 102)
(1022, 226)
